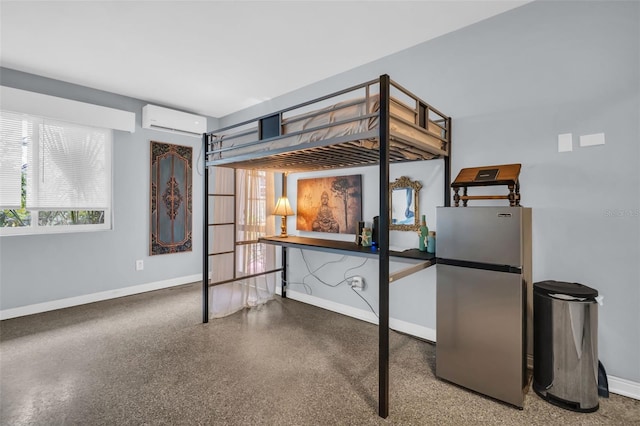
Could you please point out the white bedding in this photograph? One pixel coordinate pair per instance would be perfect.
(304, 128)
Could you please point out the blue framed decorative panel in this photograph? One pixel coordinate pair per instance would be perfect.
(171, 198)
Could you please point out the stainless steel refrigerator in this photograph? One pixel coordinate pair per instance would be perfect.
(483, 276)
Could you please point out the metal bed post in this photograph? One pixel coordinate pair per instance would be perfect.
(205, 234)
(383, 261)
(284, 273)
(284, 249)
(447, 168)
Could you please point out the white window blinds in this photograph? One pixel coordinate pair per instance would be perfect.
(70, 167)
(11, 138)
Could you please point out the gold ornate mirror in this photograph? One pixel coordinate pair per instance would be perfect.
(403, 204)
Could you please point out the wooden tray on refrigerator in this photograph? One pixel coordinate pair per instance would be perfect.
(504, 174)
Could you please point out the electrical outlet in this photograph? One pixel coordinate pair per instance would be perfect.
(139, 265)
(357, 283)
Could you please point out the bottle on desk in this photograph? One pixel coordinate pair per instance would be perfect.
(424, 233)
(431, 242)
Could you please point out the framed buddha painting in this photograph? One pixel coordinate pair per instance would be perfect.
(329, 204)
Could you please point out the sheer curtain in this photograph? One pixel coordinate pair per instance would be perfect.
(254, 198)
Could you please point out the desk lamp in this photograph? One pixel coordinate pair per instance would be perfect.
(283, 209)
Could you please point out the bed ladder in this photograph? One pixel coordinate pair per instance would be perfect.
(208, 251)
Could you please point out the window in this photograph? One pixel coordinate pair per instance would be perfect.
(251, 220)
(54, 176)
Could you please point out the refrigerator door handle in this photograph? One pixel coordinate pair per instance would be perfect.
(479, 265)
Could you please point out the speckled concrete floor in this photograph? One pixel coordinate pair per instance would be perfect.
(147, 359)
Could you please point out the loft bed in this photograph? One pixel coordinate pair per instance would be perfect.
(376, 122)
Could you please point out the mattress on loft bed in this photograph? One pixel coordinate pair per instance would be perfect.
(341, 119)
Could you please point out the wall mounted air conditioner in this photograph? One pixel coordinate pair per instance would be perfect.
(170, 120)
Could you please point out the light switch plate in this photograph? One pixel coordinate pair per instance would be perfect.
(565, 142)
(592, 140)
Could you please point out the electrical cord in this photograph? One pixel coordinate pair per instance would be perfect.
(313, 273)
(352, 268)
(365, 301)
(200, 173)
(345, 277)
(355, 291)
(307, 287)
(321, 266)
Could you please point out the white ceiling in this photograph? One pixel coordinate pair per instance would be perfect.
(217, 57)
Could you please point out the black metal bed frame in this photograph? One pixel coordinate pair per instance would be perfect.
(385, 84)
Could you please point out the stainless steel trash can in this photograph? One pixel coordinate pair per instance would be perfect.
(565, 344)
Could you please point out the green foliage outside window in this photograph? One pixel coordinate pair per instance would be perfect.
(22, 217)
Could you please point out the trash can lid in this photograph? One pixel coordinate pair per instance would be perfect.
(561, 288)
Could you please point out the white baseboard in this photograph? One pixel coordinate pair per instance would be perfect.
(616, 385)
(624, 387)
(96, 297)
(364, 315)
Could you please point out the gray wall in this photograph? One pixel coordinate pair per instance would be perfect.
(512, 84)
(43, 268)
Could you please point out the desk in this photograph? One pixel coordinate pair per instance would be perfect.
(332, 246)
(342, 246)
